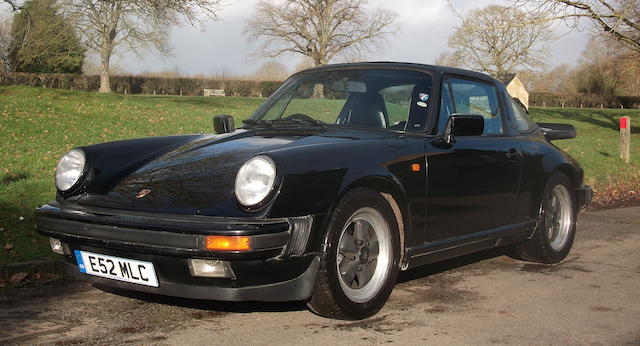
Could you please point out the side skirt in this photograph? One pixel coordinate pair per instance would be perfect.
(469, 243)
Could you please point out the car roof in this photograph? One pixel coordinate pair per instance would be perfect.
(440, 70)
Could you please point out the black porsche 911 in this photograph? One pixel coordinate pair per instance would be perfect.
(345, 176)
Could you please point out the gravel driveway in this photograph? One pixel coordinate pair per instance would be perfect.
(593, 297)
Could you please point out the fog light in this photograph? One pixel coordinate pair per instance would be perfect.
(56, 246)
(210, 268)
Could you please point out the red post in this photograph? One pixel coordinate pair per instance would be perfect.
(625, 139)
(624, 122)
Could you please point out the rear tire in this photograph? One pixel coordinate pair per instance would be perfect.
(360, 262)
(556, 229)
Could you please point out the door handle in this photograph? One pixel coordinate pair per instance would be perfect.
(513, 154)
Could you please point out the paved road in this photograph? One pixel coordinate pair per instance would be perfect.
(591, 298)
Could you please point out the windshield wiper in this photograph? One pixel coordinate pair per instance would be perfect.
(292, 120)
(301, 119)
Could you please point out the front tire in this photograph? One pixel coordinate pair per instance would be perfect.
(554, 235)
(359, 266)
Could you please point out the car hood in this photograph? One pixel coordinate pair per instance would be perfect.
(199, 177)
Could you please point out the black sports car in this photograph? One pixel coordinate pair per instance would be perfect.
(345, 176)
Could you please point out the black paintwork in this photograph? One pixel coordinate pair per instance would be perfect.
(474, 193)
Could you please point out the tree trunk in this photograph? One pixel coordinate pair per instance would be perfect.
(105, 81)
(318, 91)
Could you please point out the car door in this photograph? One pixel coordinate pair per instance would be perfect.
(472, 184)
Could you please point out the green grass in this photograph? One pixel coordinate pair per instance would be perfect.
(37, 126)
(597, 145)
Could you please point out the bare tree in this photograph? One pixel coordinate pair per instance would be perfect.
(271, 71)
(110, 27)
(495, 40)
(603, 68)
(619, 18)
(560, 79)
(305, 63)
(14, 4)
(319, 29)
(448, 59)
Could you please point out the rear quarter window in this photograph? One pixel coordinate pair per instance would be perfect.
(523, 122)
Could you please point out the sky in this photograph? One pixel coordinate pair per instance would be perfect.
(425, 26)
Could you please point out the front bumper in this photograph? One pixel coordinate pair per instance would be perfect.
(584, 196)
(279, 266)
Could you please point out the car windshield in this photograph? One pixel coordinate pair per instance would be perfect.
(371, 98)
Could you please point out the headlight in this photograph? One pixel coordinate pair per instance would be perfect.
(70, 169)
(255, 180)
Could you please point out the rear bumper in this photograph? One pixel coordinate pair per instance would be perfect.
(584, 196)
(279, 267)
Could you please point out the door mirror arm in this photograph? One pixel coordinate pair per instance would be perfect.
(447, 139)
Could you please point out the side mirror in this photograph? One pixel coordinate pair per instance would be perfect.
(557, 131)
(463, 125)
(223, 124)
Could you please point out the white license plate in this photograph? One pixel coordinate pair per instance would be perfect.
(123, 269)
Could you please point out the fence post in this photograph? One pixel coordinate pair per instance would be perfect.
(625, 139)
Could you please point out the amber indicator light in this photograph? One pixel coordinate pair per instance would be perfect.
(415, 167)
(227, 243)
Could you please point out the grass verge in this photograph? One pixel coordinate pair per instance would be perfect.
(597, 149)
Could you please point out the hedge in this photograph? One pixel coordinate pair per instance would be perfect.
(142, 85)
(195, 87)
(538, 99)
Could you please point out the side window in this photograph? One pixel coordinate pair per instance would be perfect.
(522, 118)
(446, 107)
(471, 97)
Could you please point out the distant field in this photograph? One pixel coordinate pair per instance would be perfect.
(38, 125)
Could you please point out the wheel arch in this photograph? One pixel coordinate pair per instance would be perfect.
(569, 171)
(392, 191)
(563, 168)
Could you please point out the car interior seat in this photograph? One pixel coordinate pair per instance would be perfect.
(419, 108)
(365, 110)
